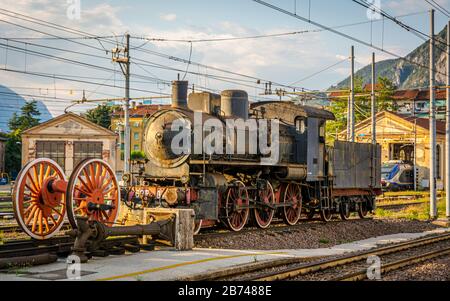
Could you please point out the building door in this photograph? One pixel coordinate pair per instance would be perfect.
(86, 150)
(400, 151)
(55, 150)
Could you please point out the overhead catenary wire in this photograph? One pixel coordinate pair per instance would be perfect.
(103, 38)
(73, 31)
(319, 72)
(439, 8)
(347, 36)
(47, 75)
(420, 34)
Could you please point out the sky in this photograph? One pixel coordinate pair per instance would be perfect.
(284, 60)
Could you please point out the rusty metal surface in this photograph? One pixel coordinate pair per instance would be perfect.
(205, 102)
(234, 103)
(356, 165)
(288, 111)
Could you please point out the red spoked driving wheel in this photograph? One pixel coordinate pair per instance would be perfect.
(292, 198)
(263, 213)
(237, 206)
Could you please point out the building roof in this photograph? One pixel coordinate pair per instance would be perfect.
(368, 87)
(411, 95)
(142, 111)
(70, 116)
(418, 95)
(424, 123)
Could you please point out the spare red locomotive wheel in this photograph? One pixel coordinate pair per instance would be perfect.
(237, 206)
(263, 213)
(93, 192)
(38, 198)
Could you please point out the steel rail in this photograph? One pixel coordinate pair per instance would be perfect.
(389, 267)
(314, 267)
(308, 267)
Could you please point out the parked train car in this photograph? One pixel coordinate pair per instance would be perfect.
(397, 176)
(235, 189)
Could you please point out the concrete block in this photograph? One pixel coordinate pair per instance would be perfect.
(184, 224)
(443, 222)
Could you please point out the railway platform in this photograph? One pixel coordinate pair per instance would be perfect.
(168, 264)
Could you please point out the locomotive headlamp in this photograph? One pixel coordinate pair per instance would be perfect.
(184, 179)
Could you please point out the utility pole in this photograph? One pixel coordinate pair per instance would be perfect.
(348, 118)
(415, 145)
(447, 130)
(374, 119)
(122, 56)
(373, 103)
(433, 204)
(352, 96)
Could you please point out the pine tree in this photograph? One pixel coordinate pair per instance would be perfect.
(28, 118)
(100, 115)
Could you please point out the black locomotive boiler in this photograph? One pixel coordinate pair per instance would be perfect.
(239, 188)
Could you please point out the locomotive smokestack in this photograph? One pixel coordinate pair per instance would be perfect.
(179, 94)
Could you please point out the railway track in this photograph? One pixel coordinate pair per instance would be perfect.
(31, 252)
(296, 268)
(11, 228)
(6, 209)
(5, 199)
(396, 265)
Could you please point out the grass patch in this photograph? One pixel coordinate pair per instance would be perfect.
(418, 213)
(411, 193)
(405, 193)
(324, 241)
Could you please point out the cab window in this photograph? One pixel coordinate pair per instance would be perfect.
(300, 125)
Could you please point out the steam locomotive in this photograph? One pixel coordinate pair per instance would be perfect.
(202, 154)
(232, 162)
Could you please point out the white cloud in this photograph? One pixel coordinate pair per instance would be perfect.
(168, 17)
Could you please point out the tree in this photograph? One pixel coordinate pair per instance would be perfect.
(28, 118)
(101, 115)
(338, 107)
(385, 93)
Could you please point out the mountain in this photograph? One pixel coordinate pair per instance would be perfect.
(11, 102)
(404, 74)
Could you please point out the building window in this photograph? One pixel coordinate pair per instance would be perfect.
(136, 136)
(55, 150)
(87, 150)
(438, 161)
(122, 146)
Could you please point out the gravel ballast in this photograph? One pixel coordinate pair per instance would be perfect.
(314, 235)
(435, 270)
